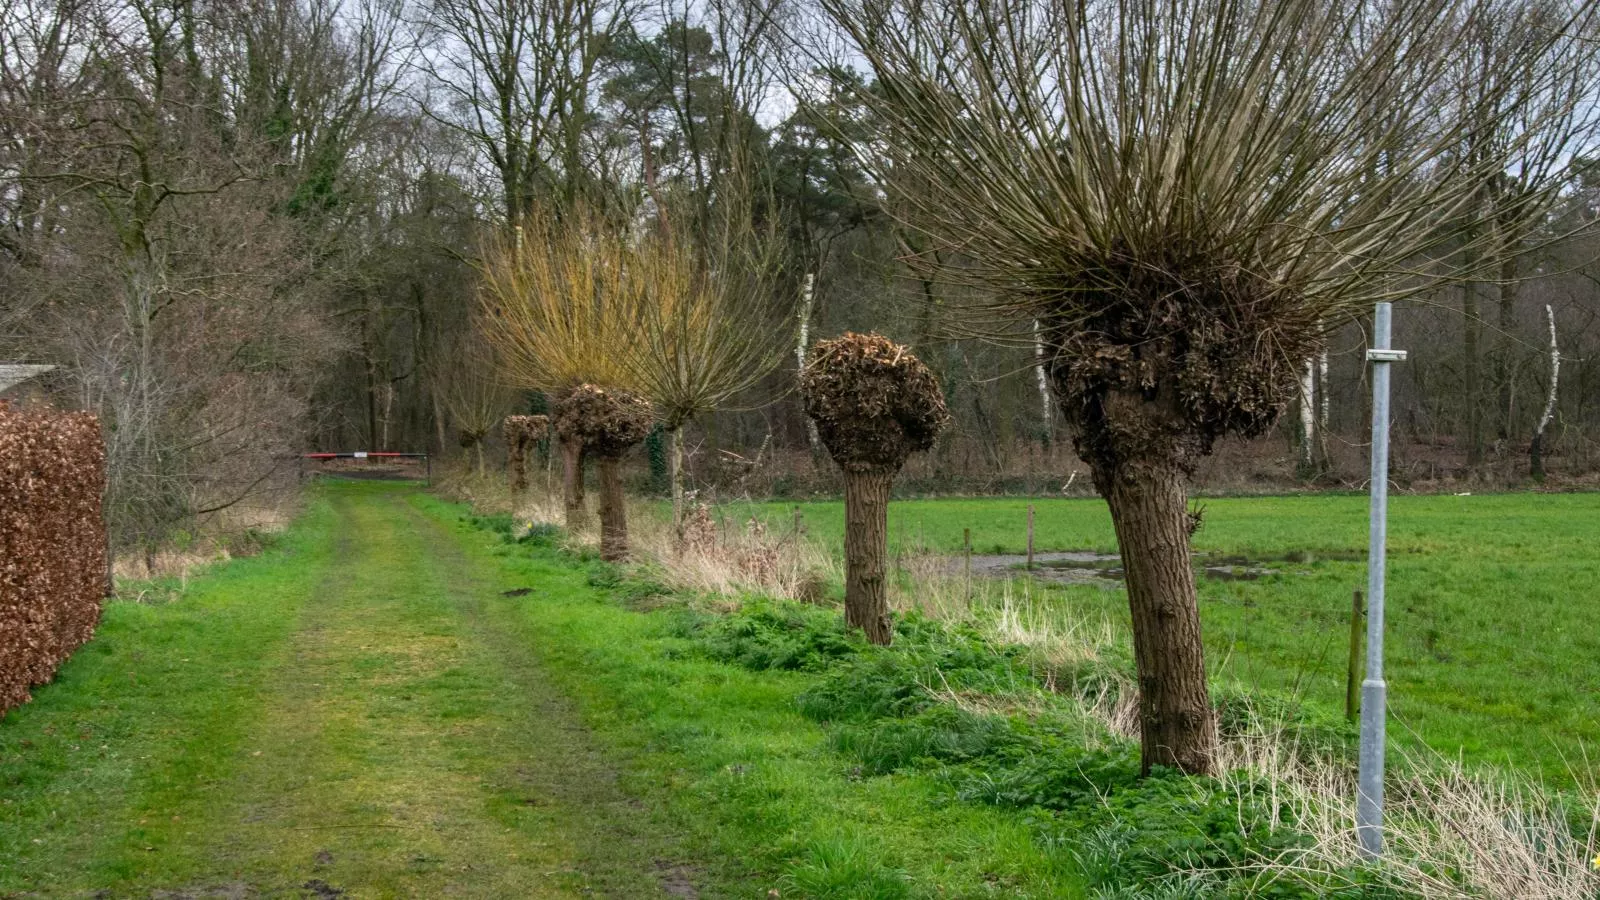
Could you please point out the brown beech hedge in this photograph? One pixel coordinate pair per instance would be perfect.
(52, 543)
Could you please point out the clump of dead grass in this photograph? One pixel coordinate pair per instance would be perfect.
(1450, 832)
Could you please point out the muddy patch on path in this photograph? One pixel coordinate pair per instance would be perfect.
(677, 881)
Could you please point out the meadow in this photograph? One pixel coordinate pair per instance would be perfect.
(402, 698)
(1493, 651)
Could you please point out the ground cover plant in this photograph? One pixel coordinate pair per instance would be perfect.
(579, 724)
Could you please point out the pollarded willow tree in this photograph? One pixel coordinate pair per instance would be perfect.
(1187, 194)
(522, 433)
(470, 389)
(707, 328)
(875, 404)
(605, 424)
(559, 308)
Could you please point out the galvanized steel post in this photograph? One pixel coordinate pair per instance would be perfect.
(1374, 691)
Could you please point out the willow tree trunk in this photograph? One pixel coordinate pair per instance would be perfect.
(1149, 510)
(517, 464)
(572, 483)
(613, 510)
(866, 550)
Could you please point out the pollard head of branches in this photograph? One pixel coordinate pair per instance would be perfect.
(873, 401)
(605, 423)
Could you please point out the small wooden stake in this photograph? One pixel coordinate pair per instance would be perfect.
(1030, 537)
(966, 545)
(1352, 676)
(799, 521)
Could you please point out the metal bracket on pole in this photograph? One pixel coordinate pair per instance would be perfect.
(1374, 690)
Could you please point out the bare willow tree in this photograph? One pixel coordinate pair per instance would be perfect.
(471, 390)
(1187, 195)
(707, 326)
(559, 309)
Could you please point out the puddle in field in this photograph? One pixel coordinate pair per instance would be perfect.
(1105, 569)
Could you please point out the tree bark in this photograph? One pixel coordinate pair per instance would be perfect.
(1307, 429)
(1536, 447)
(1504, 350)
(1042, 379)
(866, 549)
(807, 301)
(613, 510)
(1471, 375)
(1150, 512)
(572, 483)
(676, 463)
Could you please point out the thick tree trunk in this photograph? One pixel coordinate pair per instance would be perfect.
(1149, 510)
(866, 550)
(517, 463)
(613, 510)
(572, 483)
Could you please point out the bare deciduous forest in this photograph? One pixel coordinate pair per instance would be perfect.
(251, 229)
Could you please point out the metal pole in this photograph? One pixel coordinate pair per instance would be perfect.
(1374, 692)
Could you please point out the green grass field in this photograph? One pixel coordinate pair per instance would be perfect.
(398, 700)
(1494, 605)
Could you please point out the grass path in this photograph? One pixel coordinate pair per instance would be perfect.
(360, 724)
(393, 702)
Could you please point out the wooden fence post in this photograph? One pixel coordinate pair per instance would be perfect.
(1030, 537)
(966, 545)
